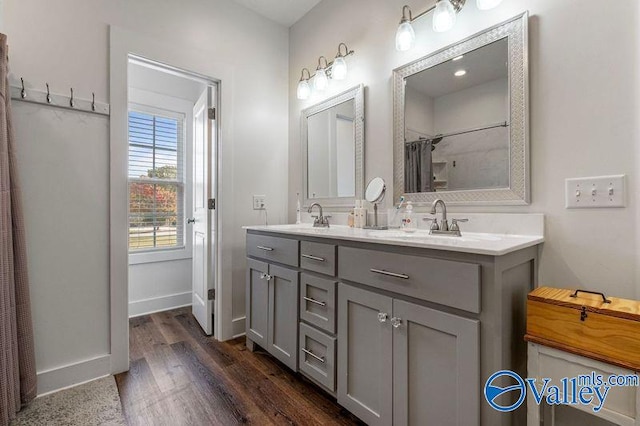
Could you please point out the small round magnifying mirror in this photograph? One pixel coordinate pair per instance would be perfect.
(375, 194)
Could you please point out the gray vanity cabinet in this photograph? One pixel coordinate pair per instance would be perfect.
(272, 310)
(400, 335)
(390, 349)
(436, 367)
(365, 354)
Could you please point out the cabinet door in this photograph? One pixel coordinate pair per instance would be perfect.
(365, 354)
(282, 341)
(436, 367)
(257, 301)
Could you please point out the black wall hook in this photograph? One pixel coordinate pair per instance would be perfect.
(48, 94)
(71, 104)
(23, 93)
(93, 101)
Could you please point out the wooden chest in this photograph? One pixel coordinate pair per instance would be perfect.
(603, 328)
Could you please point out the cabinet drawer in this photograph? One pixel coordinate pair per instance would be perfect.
(451, 283)
(318, 302)
(318, 257)
(281, 250)
(317, 356)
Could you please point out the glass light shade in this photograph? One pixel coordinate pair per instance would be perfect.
(487, 4)
(405, 36)
(339, 68)
(320, 81)
(444, 17)
(304, 90)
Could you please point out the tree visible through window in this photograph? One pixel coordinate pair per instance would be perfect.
(156, 182)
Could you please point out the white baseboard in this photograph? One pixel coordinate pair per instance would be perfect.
(238, 326)
(73, 374)
(159, 304)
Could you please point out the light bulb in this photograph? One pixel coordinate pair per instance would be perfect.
(320, 81)
(444, 17)
(405, 36)
(339, 68)
(304, 90)
(487, 4)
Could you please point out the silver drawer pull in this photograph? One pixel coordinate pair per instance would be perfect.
(314, 301)
(308, 256)
(312, 355)
(390, 274)
(264, 248)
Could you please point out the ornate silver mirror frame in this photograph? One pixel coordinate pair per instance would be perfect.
(518, 193)
(357, 94)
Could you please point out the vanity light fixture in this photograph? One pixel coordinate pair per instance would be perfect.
(321, 80)
(444, 18)
(304, 89)
(336, 70)
(405, 36)
(339, 68)
(460, 73)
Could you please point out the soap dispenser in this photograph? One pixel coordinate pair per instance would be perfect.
(408, 222)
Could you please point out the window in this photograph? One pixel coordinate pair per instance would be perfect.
(156, 179)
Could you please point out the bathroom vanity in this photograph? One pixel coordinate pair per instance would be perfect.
(401, 329)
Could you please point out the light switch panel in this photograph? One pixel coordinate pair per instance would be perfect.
(259, 202)
(595, 192)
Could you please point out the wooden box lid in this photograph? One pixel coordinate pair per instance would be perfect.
(592, 325)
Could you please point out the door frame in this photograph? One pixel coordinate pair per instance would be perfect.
(123, 45)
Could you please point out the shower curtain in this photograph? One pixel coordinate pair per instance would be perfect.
(17, 357)
(417, 167)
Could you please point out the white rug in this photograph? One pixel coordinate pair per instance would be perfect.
(94, 403)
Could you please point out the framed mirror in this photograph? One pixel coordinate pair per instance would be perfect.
(332, 150)
(461, 121)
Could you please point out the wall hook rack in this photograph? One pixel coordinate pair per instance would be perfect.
(69, 102)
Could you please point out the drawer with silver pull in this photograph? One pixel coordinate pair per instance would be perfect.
(318, 257)
(275, 249)
(318, 301)
(447, 282)
(317, 356)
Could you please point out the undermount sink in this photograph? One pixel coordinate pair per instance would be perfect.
(425, 236)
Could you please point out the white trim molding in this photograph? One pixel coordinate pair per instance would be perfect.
(73, 374)
(123, 45)
(159, 304)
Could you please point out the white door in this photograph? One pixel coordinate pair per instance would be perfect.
(204, 219)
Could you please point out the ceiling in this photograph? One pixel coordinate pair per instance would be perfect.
(284, 12)
(485, 64)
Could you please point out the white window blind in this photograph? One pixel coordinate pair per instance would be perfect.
(156, 180)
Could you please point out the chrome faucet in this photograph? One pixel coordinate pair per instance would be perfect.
(320, 221)
(443, 228)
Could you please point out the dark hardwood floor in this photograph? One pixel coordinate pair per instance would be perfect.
(179, 376)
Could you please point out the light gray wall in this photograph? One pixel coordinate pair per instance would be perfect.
(418, 115)
(65, 43)
(476, 106)
(584, 93)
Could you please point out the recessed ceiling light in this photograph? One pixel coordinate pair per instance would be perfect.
(460, 73)
(457, 58)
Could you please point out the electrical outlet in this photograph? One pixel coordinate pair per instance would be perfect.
(259, 202)
(595, 192)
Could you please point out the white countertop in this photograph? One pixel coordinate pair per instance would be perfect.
(470, 242)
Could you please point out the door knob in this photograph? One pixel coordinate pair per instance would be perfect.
(396, 322)
(191, 220)
(382, 317)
